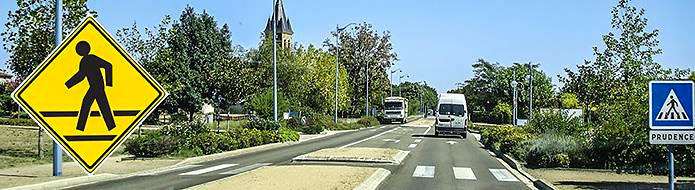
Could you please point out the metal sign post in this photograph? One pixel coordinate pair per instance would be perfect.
(671, 107)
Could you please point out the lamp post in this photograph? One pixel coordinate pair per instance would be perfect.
(514, 83)
(530, 94)
(391, 86)
(399, 83)
(275, 77)
(338, 30)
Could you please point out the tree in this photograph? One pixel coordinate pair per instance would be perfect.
(29, 36)
(412, 91)
(363, 47)
(569, 101)
(491, 84)
(194, 59)
(692, 76)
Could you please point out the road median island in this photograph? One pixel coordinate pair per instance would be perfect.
(357, 154)
(424, 122)
(303, 177)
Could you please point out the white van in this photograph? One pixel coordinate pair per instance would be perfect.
(395, 109)
(451, 115)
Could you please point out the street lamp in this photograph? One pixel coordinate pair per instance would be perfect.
(514, 83)
(530, 94)
(399, 83)
(275, 73)
(338, 30)
(391, 86)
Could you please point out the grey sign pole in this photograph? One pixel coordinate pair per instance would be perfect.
(671, 176)
(57, 152)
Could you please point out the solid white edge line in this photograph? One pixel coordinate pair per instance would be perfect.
(209, 169)
(368, 138)
(245, 168)
(428, 130)
(167, 170)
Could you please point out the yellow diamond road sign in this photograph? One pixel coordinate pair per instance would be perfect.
(89, 95)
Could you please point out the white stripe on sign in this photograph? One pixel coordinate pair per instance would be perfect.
(412, 145)
(424, 171)
(245, 168)
(503, 175)
(464, 173)
(418, 140)
(206, 170)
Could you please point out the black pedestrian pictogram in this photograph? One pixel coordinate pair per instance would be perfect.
(672, 109)
(90, 68)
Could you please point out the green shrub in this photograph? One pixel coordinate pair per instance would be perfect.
(207, 142)
(287, 135)
(185, 130)
(551, 150)
(262, 124)
(294, 123)
(368, 121)
(346, 126)
(18, 122)
(316, 124)
(151, 144)
(507, 139)
(260, 101)
(502, 113)
(556, 121)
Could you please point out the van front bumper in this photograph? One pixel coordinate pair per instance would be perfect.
(450, 130)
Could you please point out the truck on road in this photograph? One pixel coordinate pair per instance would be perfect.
(451, 115)
(395, 109)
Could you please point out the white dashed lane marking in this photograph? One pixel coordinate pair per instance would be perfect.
(503, 175)
(424, 171)
(245, 168)
(463, 173)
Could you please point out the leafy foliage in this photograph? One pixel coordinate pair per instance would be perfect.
(493, 82)
(507, 139)
(30, 32)
(262, 103)
(363, 47)
(262, 124)
(368, 121)
(152, 144)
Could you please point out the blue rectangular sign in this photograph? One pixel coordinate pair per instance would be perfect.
(671, 105)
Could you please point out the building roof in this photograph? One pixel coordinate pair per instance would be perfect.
(283, 23)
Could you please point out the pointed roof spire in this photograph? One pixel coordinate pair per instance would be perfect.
(283, 23)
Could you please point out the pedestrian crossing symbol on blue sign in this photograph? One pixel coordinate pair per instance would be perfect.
(671, 105)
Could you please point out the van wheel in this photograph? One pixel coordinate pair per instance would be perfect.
(436, 133)
(464, 135)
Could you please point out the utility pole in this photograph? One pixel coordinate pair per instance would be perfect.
(57, 152)
(337, 55)
(366, 66)
(275, 77)
(399, 83)
(391, 81)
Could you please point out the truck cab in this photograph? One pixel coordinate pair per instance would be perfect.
(451, 115)
(395, 109)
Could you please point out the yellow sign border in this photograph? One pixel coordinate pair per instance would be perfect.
(16, 95)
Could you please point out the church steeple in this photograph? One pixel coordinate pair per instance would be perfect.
(284, 28)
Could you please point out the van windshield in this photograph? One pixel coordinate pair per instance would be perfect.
(393, 105)
(452, 109)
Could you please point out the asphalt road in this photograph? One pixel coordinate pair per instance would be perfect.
(442, 162)
(433, 163)
(218, 169)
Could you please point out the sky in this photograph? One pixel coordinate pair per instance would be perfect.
(436, 41)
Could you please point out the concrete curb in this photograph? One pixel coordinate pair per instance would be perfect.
(538, 183)
(221, 155)
(374, 180)
(56, 184)
(395, 160)
(85, 180)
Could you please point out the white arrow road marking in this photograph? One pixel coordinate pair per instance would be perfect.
(451, 142)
